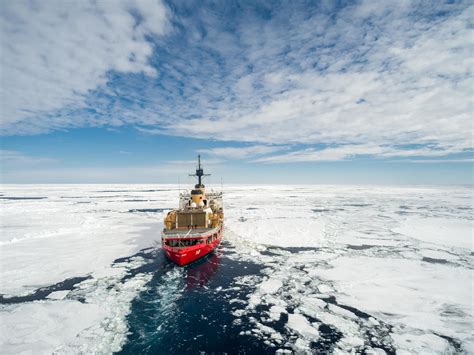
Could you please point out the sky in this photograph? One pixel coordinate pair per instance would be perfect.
(290, 92)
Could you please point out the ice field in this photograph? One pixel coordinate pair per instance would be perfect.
(301, 268)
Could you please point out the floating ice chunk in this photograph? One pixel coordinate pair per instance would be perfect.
(311, 305)
(273, 299)
(237, 300)
(375, 351)
(276, 311)
(246, 280)
(314, 302)
(238, 313)
(266, 289)
(300, 325)
(271, 286)
(323, 288)
(58, 295)
(341, 311)
(267, 330)
(254, 300)
(301, 346)
(277, 337)
(349, 329)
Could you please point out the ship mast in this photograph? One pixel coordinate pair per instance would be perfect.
(199, 173)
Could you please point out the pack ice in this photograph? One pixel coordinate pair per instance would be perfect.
(386, 269)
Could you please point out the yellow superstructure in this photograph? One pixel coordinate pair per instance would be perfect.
(216, 218)
(198, 196)
(197, 208)
(170, 220)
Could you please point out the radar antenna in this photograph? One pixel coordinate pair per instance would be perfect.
(199, 173)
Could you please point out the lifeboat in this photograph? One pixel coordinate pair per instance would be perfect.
(194, 229)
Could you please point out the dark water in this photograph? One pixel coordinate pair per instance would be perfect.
(191, 311)
(21, 198)
(153, 210)
(43, 292)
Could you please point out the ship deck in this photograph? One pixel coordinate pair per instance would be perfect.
(188, 233)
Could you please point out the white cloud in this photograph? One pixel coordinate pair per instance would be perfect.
(327, 154)
(350, 151)
(363, 79)
(434, 161)
(397, 79)
(242, 152)
(55, 52)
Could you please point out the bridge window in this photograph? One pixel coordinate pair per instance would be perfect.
(172, 242)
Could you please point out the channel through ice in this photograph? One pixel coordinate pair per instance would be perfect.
(340, 268)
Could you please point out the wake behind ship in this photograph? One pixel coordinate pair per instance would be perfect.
(195, 229)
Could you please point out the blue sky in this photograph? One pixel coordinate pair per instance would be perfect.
(282, 92)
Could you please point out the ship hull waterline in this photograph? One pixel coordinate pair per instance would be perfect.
(188, 254)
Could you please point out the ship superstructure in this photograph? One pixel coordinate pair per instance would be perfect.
(195, 228)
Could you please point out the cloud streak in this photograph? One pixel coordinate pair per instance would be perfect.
(353, 151)
(242, 152)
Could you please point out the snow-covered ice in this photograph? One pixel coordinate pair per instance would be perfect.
(401, 257)
(73, 231)
(450, 232)
(379, 268)
(300, 325)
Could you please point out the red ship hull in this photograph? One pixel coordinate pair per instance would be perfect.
(183, 255)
